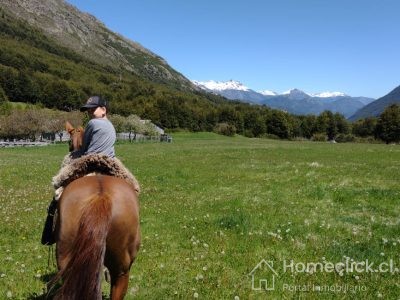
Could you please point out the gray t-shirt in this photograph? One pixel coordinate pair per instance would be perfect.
(99, 137)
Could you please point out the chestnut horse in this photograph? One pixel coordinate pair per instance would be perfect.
(98, 223)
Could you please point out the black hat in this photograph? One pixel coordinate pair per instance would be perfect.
(94, 101)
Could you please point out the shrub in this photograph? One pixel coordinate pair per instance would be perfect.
(319, 137)
(3, 96)
(225, 129)
(368, 140)
(5, 108)
(271, 136)
(248, 133)
(345, 138)
(299, 139)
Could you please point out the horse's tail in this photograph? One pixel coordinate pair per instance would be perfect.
(82, 275)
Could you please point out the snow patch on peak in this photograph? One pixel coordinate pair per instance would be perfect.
(268, 93)
(329, 94)
(286, 92)
(221, 85)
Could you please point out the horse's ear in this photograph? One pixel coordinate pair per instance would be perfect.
(80, 128)
(69, 127)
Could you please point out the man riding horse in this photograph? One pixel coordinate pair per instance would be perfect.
(97, 207)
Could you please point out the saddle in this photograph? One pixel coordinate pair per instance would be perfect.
(74, 168)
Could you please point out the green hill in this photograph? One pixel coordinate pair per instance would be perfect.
(374, 109)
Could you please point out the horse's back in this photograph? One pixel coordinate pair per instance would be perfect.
(123, 238)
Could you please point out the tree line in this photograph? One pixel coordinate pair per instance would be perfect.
(327, 126)
(30, 121)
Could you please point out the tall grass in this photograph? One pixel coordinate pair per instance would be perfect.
(213, 207)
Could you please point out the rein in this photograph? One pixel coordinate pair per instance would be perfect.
(50, 258)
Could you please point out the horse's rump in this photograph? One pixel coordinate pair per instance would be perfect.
(98, 221)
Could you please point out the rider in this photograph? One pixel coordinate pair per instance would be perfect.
(99, 137)
(100, 134)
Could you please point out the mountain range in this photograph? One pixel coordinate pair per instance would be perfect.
(294, 101)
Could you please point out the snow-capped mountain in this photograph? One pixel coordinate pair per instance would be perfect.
(295, 94)
(294, 101)
(221, 85)
(233, 90)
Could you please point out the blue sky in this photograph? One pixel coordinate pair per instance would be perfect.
(350, 46)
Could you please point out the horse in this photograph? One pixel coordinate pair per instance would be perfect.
(98, 223)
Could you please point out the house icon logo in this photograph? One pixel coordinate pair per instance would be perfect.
(263, 276)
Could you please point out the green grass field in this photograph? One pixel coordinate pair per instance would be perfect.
(213, 207)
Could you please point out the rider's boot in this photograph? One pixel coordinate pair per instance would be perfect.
(47, 235)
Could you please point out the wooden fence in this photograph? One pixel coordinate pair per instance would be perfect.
(138, 138)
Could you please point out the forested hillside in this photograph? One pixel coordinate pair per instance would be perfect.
(35, 69)
(90, 38)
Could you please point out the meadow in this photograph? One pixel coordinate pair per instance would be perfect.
(213, 207)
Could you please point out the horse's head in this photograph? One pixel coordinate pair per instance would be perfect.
(76, 136)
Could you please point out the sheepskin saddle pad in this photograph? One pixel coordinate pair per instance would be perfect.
(74, 168)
